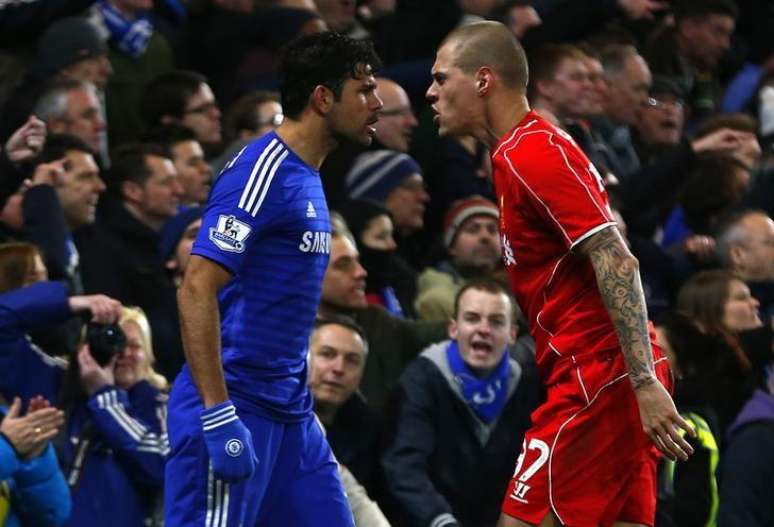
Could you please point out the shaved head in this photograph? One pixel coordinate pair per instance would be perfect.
(490, 44)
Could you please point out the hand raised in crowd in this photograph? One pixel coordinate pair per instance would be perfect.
(638, 9)
(93, 376)
(724, 140)
(700, 247)
(27, 141)
(47, 173)
(30, 434)
(103, 309)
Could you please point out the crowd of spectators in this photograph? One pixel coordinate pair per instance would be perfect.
(118, 116)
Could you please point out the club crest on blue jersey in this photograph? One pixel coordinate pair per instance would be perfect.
(230, 233)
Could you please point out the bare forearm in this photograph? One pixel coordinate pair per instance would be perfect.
(200, 328)
(618, 279)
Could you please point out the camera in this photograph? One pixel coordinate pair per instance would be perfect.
(105, 341)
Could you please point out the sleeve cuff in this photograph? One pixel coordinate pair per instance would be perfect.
(591, 232)
(444, 520)
(39, 468)
(215, 256)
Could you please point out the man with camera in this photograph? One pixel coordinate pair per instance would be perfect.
(113, 444)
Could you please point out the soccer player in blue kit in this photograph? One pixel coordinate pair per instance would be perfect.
(246, 449)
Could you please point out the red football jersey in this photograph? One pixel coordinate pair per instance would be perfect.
(551, 198)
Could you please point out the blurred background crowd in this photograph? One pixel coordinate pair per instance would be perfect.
(117, 116)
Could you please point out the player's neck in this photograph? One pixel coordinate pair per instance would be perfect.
(308, 139)
(503, 114)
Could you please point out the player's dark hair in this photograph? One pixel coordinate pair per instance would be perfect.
(490, 286)
(344, 321)
(685, 9)
(129, 163)
(167, 94)
(322, 59)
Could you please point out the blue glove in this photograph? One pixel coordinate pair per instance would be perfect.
(229, 443)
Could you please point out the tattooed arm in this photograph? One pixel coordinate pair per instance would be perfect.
(618, 279)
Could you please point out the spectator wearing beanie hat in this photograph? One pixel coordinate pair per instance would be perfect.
(472, 245)
(177, 237)
(395, 180)
(175, 241)
(71, 49)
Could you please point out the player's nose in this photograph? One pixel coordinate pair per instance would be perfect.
(431, 94)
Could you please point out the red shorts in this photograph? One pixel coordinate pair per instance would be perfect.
(586, 458)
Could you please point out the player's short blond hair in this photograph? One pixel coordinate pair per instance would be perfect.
(490, 44)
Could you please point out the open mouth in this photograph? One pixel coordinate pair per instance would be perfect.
(481, 347)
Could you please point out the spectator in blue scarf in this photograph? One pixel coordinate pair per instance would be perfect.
(459, 415)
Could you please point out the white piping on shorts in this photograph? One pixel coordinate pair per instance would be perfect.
(217, 501)
(573, 416)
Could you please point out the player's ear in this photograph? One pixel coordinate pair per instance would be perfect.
(484, 78)
(322, 99)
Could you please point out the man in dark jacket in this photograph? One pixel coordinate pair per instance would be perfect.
(394, 342)
(337, 356)
(121, 257)
(459, 414)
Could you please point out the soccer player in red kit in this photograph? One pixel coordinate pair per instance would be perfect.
(590, 457)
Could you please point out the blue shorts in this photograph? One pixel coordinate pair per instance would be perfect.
(296, 482)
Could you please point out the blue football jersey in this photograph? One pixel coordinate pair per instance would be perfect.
(267, 223)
